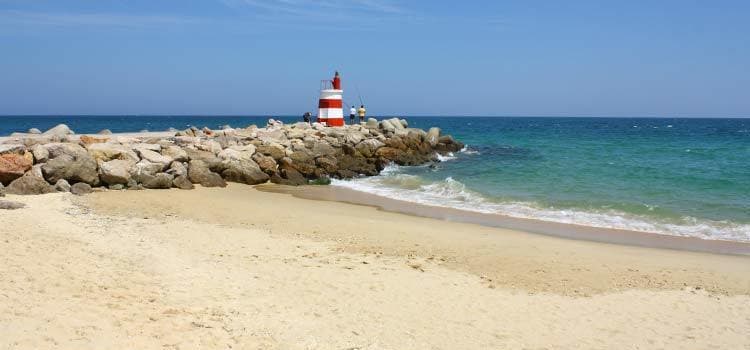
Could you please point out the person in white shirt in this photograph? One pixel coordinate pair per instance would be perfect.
(352, 114)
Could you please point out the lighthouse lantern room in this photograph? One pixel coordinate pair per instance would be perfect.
(330, 105)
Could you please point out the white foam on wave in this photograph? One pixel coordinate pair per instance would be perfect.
(451, 193)
(447, 157)
(467, 150)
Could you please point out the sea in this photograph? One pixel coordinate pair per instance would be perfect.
(671, 176)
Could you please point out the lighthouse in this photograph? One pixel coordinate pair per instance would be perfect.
(330, 105)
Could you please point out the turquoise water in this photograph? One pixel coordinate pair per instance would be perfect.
(687, 177)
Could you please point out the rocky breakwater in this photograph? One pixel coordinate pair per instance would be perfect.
(292, 154)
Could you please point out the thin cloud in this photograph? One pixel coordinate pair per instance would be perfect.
(92, 19)
(320, 9)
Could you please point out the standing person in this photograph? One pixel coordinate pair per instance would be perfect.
(361, 111)
(306, 117)
(352, 114)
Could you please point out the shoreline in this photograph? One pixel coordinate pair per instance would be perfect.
(555, 229)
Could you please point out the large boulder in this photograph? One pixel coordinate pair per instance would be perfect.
(273, 150)
(177, 169)
(182, 182)
(72, 164)
(155, 157)
(59, 130)
(372, 123)
(350, 166)
(212, 161)
(79, 189)
(266, 163)
(116, 171)
(368, 147)
(244, 171)
(432, 136)
(158, 181)
(199, 173)
(40, 153)
(103, 152)
(62, 186)
(176, 153)
(387, 126)
(353, 138)
(34, 131)
(396, 123)
(26, 185)
(322, 148)
(328, 163)
(15, 148)
(13, 166)
(288, 175)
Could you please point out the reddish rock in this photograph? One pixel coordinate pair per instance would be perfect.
(13, 166)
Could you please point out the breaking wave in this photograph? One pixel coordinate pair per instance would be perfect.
(450, 193)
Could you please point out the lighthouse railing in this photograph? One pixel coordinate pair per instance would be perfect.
(326, 85)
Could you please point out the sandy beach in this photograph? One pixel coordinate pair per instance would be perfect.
(241, 268)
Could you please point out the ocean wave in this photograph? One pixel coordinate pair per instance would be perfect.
(467, 150)
(450, 193)
(445, 158)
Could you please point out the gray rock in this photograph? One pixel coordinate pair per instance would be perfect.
(396, 123)
(62, 186)
(59, 130)
(117, 187)
(183, 183)
(147, 146)
(176, 153)
(154, 157)
(199, 173)
(372, 123)
(10, 205)
(14, 148)
(80, 188)
(27, 185)
(2, 190)
(322, 149)
(34, 131)
(353, 138)
(432, 136)
(266, 163)
(145, 170)
(108, 151)
(41, 154)
(177, 169)
(74, 168)
(368, 147)
(244, 171)
(36, 170)
(105, 132)
(387, 126)
(159, 181)
(275, 151)
(116, 171)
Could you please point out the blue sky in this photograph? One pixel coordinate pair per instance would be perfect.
(267, 57)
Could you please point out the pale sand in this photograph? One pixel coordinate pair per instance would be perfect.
(239, 268)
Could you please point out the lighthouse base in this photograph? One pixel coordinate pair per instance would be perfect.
(332, 121)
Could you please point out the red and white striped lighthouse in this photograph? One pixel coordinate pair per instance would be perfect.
(330, 105)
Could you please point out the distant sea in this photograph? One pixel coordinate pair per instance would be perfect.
(684, 177)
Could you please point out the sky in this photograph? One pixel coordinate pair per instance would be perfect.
(400, 57)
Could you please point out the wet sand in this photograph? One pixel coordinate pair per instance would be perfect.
(595, 234)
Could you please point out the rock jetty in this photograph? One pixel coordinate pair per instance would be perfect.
(289, 154)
